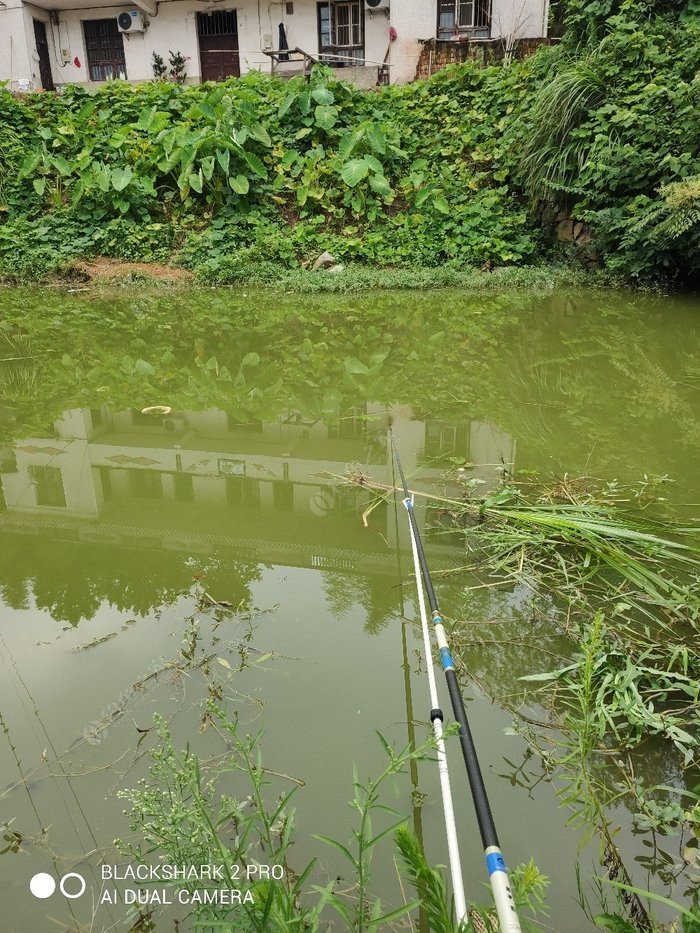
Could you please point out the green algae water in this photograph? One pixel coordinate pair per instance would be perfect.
(208, 548)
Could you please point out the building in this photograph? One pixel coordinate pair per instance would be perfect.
(49, 43)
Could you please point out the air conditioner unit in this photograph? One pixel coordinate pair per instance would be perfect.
(131, 22)
(175, 424)
(373, 5)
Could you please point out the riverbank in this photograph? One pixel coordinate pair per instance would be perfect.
(584, 151)
(111, 273)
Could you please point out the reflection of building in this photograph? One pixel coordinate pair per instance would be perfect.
(191, 481)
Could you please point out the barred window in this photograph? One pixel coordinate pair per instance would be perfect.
(341, 38)
(470, 16)
(104, 48)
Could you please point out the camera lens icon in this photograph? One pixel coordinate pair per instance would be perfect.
(42, 885)
(71, 885)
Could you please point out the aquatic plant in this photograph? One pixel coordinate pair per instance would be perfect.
(186, 813)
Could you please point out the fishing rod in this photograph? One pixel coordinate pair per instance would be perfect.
(436, 721)
(495, 863)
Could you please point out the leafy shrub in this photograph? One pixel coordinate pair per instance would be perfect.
(445, 171)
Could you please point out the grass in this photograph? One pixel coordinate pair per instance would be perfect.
(619, 581)
(352, 278)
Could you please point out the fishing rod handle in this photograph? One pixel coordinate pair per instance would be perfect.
(502, 894)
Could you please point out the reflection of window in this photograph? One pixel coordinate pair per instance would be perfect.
(184, 488)
(149, 419)
(353, 424)
(250, 427)
(48, 486)
(341, 33)
(443, 439)
(232, 467)
(472, 16)
(242, 493)
(106, 480)
(146, 484)
(283, 496)
(104, 48)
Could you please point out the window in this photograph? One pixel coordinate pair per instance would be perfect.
(341, 40)
(104, 47)
(468, 16)
(48, 486)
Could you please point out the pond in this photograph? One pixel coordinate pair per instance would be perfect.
(149, 561)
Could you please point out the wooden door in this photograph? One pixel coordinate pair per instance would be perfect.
(42, 49)
(218, 45)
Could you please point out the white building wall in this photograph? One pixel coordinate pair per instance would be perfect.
(413, 20)
(175, 28)
(522, 19)
(15, 62)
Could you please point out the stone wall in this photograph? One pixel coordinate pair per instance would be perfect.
(436, 54)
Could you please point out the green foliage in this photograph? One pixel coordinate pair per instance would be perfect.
(286, 170)
(220, 814)
(428, 882)
(159, 67)
(186, 814)
(435, 173)
(178, 67)
(613, 132)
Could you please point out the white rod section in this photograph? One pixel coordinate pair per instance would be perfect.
(447, 806)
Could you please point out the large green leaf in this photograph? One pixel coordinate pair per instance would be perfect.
(145, 120)
(355, 366)
(286, 104)
(223, 157)
(374, 164)
(206, 111)
(423, 195)
(354, 171)
(30, 164)
(121, 177)
(326, 117)
(379, 184)
(258, 131)
(62, 165)
(240, 184)
(207, 167)
(256, 164)
(440, 203)
(377, 139)
(323, 95)
(348, 143)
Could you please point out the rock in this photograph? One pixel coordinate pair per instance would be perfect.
(565, 230)
(324, 261)
(338, 267)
